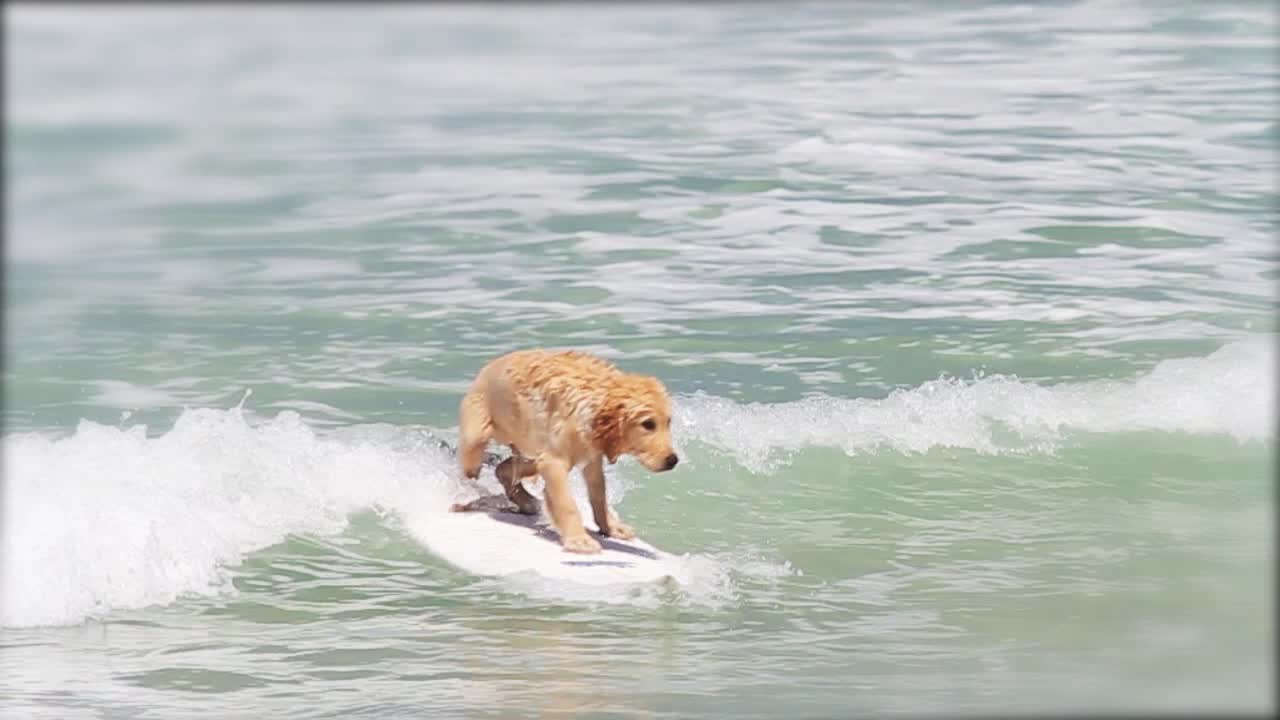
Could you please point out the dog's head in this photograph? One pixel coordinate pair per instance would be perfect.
(635, 419)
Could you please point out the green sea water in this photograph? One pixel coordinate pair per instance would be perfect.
(968, 309)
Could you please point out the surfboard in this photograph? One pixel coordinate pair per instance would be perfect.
(494, 541)
(497, 543)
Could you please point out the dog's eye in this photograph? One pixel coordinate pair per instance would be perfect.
(649, 424)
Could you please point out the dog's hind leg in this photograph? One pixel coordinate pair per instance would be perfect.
(475, 430)
(509, 473)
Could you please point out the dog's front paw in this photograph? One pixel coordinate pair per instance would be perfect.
(620, 530)
(584, 544)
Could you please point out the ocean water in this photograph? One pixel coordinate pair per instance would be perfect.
(968, 309)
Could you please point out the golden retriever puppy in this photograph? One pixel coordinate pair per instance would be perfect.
(559, 410)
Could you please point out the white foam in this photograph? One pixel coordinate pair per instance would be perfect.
(110, 518)
(1229, 392)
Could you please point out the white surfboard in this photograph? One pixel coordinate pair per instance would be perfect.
(506, 543)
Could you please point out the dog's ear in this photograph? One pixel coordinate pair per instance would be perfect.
(607, 429)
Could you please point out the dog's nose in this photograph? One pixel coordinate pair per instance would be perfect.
(672, 460)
